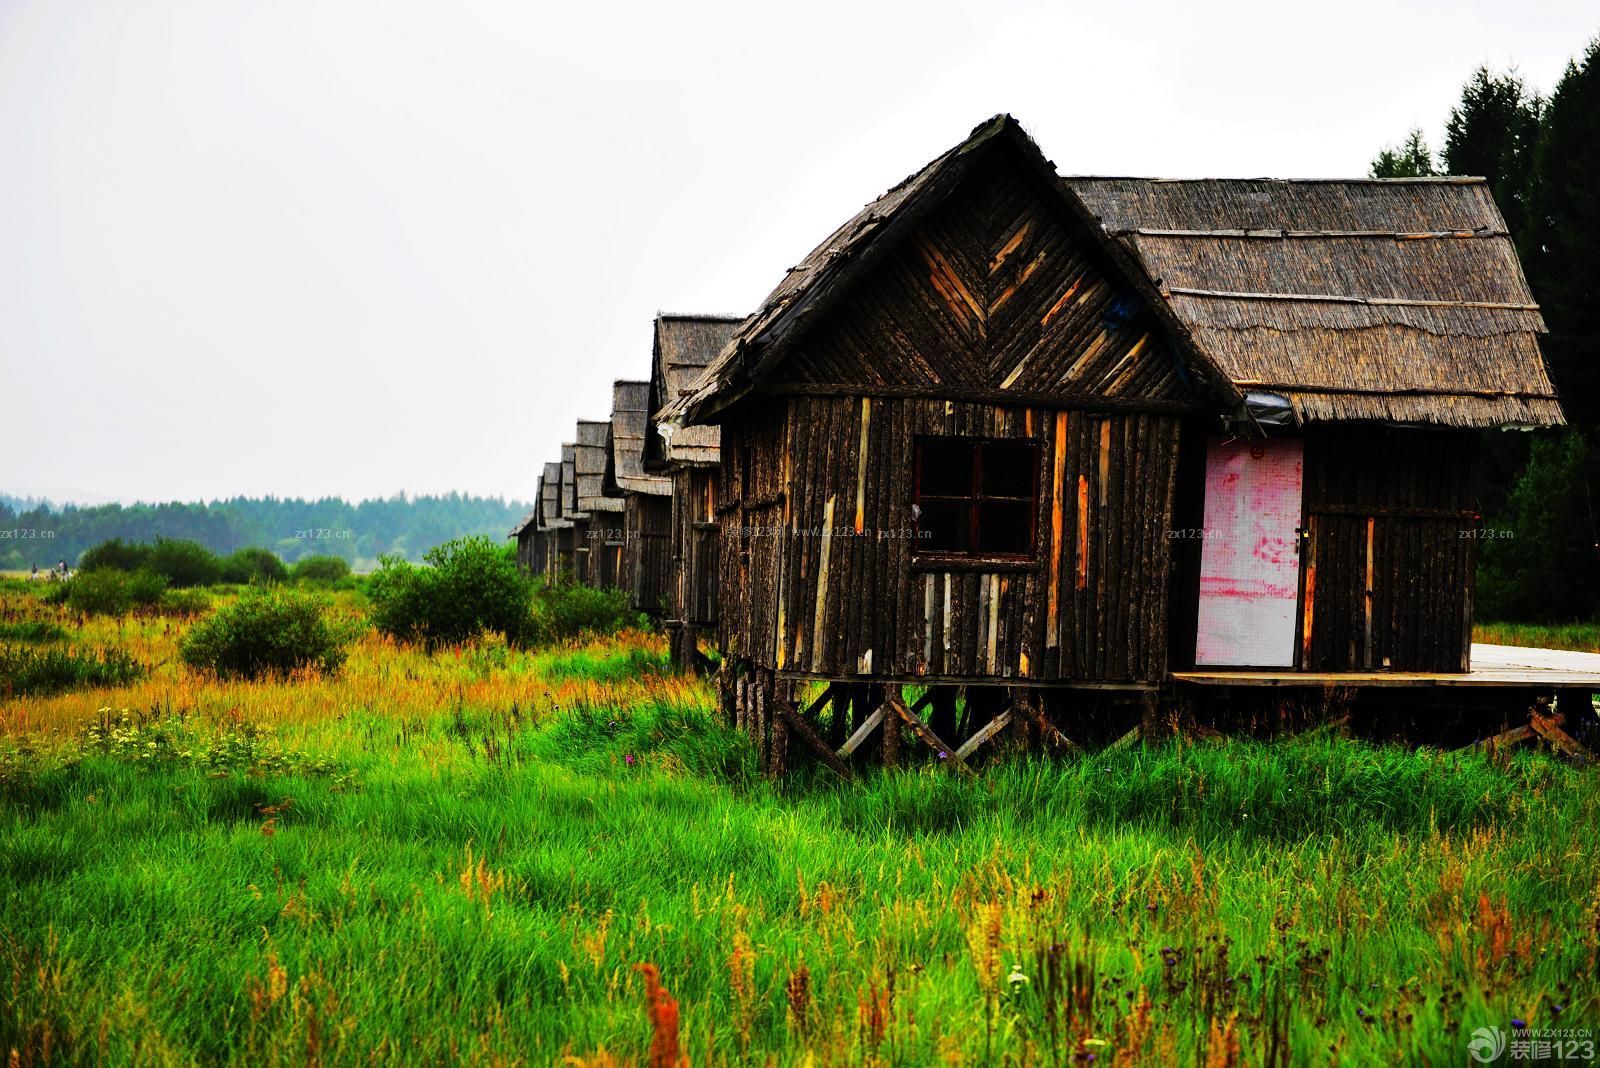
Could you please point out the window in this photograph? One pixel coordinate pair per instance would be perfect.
(976, 497)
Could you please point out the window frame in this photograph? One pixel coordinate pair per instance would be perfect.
(974, 501)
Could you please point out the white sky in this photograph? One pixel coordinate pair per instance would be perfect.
(309, 246)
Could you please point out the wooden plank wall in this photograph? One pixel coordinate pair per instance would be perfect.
(694, 546)
(647, 554)
(837, 592)
(1386, 510)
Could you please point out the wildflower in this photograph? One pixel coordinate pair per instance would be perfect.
(628, 759)
(1518, 1025)
(1016, 978)
(942, 754)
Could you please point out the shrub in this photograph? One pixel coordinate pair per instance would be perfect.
(185, 603)
(566, 611)
(145, 588)
(265, 632)
(45, 671)
(116, 555)
(253, 566)
(56, 593)
(328, 569)
(469, 585)
(32, 631)
(104, 592)
(184, 563)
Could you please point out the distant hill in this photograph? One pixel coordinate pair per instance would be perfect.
(37, 532)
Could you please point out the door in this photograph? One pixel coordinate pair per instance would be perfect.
(1249, 559)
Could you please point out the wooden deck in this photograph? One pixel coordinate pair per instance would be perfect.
(1492, 665)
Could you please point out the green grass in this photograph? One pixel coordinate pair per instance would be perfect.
(33, 631)
(1584, 637)
(479, 888)
(28, 670)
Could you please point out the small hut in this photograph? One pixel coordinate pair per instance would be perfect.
(601, 563)
(531, 537)
(572, 539)
(647, 500)
(683, 346)
(1018, 437)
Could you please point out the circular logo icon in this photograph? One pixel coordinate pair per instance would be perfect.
(1487, 1044)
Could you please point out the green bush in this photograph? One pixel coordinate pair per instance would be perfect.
(56, 593)
(146, 588)
(468, 586)
(265, 632)
(184, 563)
(253, 566)
(328, 569)
(32, 631)
(104, 592)
(561, 612)
(115, 555)
(185, 603)
(46, 671)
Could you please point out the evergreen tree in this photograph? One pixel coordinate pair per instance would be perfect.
(1411, 160)
(1493, 133)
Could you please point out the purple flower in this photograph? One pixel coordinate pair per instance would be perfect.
(628, 758)
(1518, 1025)
(942, 754)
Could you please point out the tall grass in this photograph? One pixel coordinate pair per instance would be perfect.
(467, 858)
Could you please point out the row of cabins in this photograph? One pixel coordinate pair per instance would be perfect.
(629, 508)
(1012, 439)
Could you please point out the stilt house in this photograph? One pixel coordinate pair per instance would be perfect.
(647, 500)
(601, 562)
(683, 346)
(1004, 429)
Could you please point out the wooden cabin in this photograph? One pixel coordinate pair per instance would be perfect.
(683, 346)
(1008, 433)
(572, 540)
(647, 500)
(549, 520)
(600, 563)
(531, 538)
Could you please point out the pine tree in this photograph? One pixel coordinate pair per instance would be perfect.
(1411, 160)
(1493, 133)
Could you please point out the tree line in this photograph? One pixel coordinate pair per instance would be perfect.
(1541, 156)
(34, 532)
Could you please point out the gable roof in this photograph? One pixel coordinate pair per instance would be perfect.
(530, 519)
(1388, 300)
(589, 466)
(1400, 300)
(684, 345)
(630, 425)
(818, 282)
(549, 503)
(569, 483)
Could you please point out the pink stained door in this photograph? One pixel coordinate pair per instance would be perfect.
(1250, 560)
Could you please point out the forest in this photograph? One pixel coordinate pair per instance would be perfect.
(35, 532)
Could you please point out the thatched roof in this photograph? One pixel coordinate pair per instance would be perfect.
(529, 520)
(550, 498)
(684, 345)
(1356, 300)
(589, 465)
(630, 425)
(569, 483)
(1399, 300)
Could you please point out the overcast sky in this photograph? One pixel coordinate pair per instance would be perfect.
(312, 247)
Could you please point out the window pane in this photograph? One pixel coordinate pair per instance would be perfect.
(943, 527)
(1008, 469)
(1005, 527)
(946, 468)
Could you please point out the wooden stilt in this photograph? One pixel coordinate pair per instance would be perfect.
(814, 740)
(1127, 740)
(922, 731)
(1550, 729)
(783, 707)
(1049, 733)
(891, 730)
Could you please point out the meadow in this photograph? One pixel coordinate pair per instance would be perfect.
(492, 855)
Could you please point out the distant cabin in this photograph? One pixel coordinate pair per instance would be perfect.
(647, 500)
(1012, 429)
(690, 457)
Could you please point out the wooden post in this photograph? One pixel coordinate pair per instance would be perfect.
(764, 685)
(783, 708)
(891, 731)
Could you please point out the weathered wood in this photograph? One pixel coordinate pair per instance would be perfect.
(1127, 741)
(1503, 739)
(1023, 700)
(983, 734)
(862, 732)
(814, 740)
(1550, 729)
(940, 748)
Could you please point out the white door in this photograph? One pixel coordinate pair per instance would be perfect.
(1249, 560)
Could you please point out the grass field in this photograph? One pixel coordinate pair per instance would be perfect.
(558, 857)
